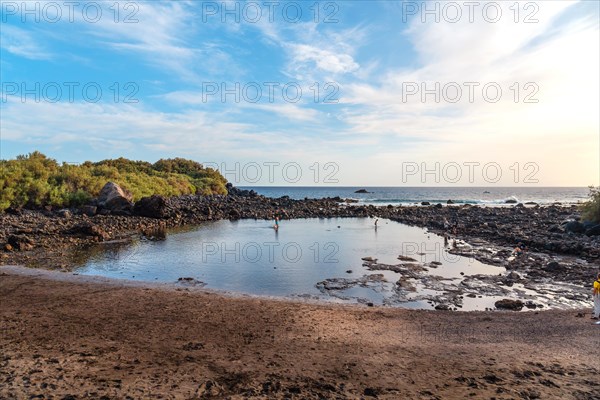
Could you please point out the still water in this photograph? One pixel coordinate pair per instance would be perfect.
(251, 257)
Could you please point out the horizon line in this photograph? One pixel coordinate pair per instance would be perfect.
(359, 186)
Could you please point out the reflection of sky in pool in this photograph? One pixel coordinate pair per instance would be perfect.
(249, 256)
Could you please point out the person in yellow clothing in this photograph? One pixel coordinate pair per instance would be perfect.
(596, 296)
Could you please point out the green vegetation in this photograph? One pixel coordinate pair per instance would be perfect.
(35, 180)
(590, 211)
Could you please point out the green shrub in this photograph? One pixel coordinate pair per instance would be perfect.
(35, 180)
(590, 210)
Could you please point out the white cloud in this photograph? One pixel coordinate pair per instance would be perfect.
(325, 60)
(98, 124)
(290, 111)
(22, 43)
(560, 58)
(161, 35)
(191, 132)
(314, 53)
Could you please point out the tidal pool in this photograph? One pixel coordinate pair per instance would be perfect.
(250, 257)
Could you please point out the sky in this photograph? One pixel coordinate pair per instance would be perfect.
(354, 93)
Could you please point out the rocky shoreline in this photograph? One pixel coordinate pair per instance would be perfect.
(30, 236)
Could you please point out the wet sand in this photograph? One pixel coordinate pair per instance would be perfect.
(71, 337)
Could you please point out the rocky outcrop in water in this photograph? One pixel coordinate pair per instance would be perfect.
(509, 304)
(234, 191)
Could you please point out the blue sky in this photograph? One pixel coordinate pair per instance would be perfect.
(158, 65)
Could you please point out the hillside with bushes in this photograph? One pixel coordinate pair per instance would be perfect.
(35, 180)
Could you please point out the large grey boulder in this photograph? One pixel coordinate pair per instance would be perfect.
(115, 199)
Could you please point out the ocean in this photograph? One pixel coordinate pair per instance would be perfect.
(491, 196)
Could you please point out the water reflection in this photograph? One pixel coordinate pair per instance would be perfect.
(251, 256)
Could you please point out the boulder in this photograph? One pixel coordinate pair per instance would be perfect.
(90, 211)
(362, 191)
(575, 227)
(513, 276)
(554, 266)
(405, 258)
(511, 201)
(155, 233)
(14, 210)
(234, 214)
(554, 229)
(64, 213)
(593, 231)
(89, 229)
(425, 203)
(115, 199)
(20, 242)
(509, 304)
(153, 207)
(233, 191)
(589, 224)
(449, 202)
(531, 305)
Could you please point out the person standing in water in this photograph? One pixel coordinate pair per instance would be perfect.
(596, 297)
(276, 226)
(376, 221)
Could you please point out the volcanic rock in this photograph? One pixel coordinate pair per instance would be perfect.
(115, 199)
(153, 207)
(509, 304)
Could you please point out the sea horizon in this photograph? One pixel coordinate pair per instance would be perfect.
(401, 195)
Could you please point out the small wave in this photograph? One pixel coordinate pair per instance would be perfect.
(411, 201)
(491, 202)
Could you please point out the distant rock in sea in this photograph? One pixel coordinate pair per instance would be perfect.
(362, 191)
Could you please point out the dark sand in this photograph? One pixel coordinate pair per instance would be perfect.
(90, 338)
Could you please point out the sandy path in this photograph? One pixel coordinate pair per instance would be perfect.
(88, 339)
